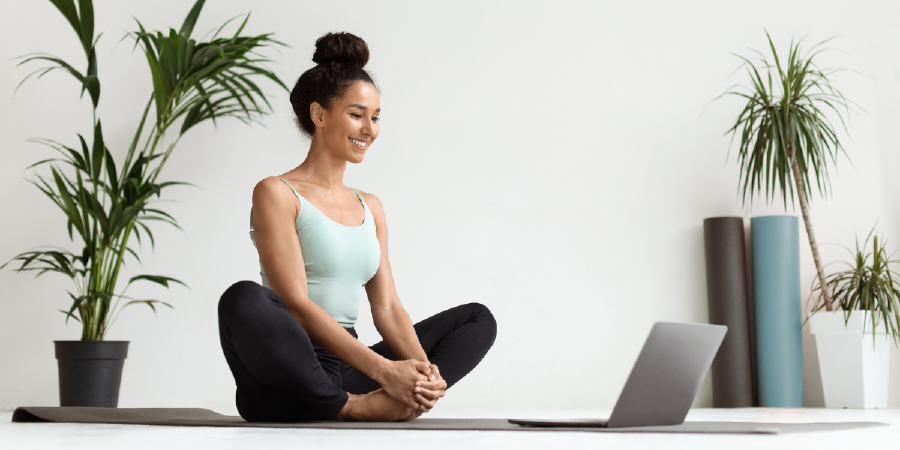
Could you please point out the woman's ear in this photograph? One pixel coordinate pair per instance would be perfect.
(317, 114)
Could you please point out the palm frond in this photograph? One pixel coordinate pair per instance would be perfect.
(193, 80)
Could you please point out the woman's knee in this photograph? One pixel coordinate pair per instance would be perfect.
(481, 314)
(236, 295)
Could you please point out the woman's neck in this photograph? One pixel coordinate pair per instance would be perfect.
(321, 168)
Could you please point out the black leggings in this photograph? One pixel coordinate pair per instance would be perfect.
(282, 376)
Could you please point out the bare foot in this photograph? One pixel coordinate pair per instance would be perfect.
(413, 416)
(375, 406)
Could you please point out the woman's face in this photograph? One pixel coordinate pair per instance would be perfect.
(350, 126)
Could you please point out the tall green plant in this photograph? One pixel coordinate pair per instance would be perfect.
(193, 81)
(786, 134)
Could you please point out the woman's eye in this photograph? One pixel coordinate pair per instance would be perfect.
(376, 119)
(355, 115)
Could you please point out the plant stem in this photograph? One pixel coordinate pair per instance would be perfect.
(804, 208)
(164, 159)
(156, 138)
(118, 264)
(134, 142)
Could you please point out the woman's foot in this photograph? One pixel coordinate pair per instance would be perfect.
(376, 406)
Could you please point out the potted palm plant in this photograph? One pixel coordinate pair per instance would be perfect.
(852, 343)
(193, 81)
(786, 140)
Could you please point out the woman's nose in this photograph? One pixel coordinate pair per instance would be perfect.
(368, 127)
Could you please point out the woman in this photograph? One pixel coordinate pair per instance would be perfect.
(290, 342)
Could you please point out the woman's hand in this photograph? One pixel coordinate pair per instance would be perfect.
(428, 392)
(400, 378)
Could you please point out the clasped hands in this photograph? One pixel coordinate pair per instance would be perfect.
(414, 383)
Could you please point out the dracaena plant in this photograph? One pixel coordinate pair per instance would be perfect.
(193, 81)
(869, 284)
(786, 135)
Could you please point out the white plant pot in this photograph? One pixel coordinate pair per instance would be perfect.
(854, 368)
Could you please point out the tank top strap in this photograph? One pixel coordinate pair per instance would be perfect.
(360, 196)
(292, 189)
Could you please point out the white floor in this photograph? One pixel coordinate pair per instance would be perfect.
(101, 437)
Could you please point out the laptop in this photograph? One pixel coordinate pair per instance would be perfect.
(663, 382)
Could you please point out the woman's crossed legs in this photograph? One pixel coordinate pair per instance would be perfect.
(282, 376)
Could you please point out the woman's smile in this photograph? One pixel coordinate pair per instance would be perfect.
(359, 143)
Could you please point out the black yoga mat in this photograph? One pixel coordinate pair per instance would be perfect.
(726, 291)
(195, 417)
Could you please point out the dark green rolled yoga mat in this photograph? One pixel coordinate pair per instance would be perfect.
(776, 284)
(726, 293)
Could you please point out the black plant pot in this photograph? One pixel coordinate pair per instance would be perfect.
(90, 372)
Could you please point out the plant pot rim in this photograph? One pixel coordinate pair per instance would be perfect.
(774, 215)
(859, 322)
(843, 313)
(75, 350)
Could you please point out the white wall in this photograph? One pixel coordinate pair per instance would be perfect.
(547, 159)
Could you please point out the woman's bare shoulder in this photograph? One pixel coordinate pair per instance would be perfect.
(269, 189)
(371, 200)
(271, 193)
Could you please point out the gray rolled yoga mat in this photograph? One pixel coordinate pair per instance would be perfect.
(726, 293)
(196, 417)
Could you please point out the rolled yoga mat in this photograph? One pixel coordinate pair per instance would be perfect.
(196, 417)
(726, 293)
(776, 283)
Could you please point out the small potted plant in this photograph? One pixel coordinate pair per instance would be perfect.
(193, 81)
(853, 341)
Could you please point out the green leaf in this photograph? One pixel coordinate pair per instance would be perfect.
(82, 196)
(42, 162)
(152, 242)
(159, 212)
(133, 253)
(76, 302)
(88, 166)
(86, 8)
(59, 65)
(112, 174)
(149, 303)
(241, 28)
(67, 8)
(99, 152)
(92, 85)
(160, 92)
(188, 26)
(158, 279)
(70, 209)
(69, 315)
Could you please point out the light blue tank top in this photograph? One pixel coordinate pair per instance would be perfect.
(339, 259)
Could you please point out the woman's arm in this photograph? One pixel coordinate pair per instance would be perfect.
(391, 319)
(275, 209)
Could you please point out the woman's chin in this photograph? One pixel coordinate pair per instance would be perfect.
(357, 156)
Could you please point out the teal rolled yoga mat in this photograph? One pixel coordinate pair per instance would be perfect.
(776, 282)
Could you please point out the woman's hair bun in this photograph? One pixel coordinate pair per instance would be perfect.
(339, 59)
(341, 48)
